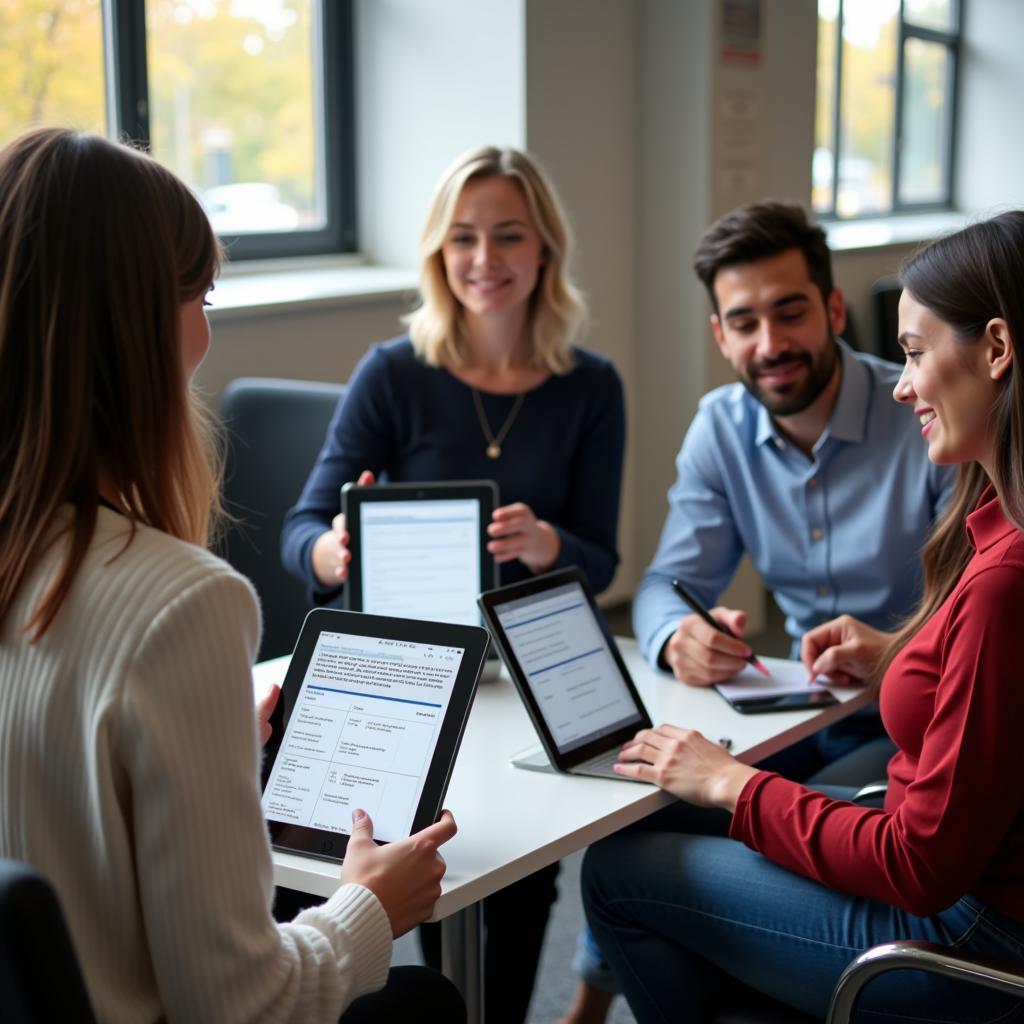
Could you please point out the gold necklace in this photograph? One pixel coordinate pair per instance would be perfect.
(494, 441)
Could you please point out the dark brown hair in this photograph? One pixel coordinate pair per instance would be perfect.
(99, 247)
(757, 231)
(968, 279)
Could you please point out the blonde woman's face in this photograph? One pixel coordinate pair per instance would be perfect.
(493, 252)
(195, 334)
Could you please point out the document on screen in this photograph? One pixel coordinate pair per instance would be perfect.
(568, 665)
(421, 559)
(362, 734)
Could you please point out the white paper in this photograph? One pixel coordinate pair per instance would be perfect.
(787, 677)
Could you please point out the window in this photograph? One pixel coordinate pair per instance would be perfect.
(250, 101)
(886, 104)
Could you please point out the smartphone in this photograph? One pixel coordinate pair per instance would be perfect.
(814, 699)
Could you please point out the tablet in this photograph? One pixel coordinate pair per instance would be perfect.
(371, 715)
(419, 551)
(567, 669)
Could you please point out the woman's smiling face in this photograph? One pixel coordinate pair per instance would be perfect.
(949, 384)
(493, 252)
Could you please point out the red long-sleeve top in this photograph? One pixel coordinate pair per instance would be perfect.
(953, 702)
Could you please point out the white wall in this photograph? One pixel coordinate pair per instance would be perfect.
(988, 174)
(433, 79)
(674, 126)
(581, 122)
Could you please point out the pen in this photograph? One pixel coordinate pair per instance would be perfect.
(706, 616)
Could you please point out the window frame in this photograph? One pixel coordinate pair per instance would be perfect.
(127, 104)
(952, 40)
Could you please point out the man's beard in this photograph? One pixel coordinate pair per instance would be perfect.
(794, 397)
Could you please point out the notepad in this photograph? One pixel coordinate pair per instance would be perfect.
(787, 677)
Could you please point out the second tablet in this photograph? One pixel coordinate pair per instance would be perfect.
(419, 550)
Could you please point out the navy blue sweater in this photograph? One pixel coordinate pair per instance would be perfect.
(407, 421)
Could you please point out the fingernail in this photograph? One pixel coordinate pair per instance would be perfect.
(358, 815)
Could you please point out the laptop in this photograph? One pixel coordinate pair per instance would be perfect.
(565, 664)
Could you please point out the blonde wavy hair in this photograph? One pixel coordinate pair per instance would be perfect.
(557, 315)
(99, 248)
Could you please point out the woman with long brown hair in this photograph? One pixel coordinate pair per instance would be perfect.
(775, 886)
(128, 740)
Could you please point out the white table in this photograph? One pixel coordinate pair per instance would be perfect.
(513, 822)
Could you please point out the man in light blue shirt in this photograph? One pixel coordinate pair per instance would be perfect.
(807, 466)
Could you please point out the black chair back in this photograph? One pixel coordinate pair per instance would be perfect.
(275, 429)
(40, 982)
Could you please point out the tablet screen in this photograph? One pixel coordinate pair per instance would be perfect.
(362, 732)
(567, 663)
(421, 559)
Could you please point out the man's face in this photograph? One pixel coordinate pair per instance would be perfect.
(776, 331)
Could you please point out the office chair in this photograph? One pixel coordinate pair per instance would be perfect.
(885, 296)
(40, 982)
(275, 428)
(919, 956)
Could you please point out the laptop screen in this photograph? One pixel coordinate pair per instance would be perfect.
(568, 665)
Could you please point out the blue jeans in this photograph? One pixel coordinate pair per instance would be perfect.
(682, 913)
(864, 760)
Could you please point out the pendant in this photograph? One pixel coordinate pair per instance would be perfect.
(494, 450)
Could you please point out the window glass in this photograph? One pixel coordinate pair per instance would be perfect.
(936, 14)
(926, 72)
(232, 108)
(868, 107)
(51, 65)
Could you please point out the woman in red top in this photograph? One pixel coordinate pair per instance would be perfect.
(782, 886)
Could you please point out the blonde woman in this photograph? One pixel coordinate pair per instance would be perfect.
(130, 745)
(488, 383)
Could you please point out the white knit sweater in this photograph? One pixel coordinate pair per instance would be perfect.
(129, 776)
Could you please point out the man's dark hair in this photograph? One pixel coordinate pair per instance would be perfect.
(759, 230)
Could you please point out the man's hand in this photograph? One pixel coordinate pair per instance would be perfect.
(699, 655)
(330, 555)
(686, 764)
(405, 876)
(844, 649)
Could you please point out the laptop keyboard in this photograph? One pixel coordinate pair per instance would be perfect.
(600, 765)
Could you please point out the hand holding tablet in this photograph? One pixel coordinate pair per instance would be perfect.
(331, 553)
(404, 876)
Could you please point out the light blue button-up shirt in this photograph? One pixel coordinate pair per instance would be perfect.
(839, 533)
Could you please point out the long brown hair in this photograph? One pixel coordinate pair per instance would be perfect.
(966, 280)
(99, 248)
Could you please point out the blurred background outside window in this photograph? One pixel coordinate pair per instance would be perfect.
(886, 105)
(234, 96)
